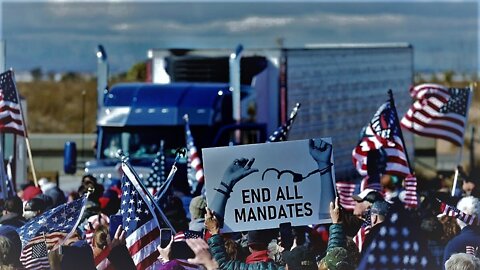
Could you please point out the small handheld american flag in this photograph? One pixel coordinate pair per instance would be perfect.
(281, 134)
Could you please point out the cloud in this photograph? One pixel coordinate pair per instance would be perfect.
(257, 23)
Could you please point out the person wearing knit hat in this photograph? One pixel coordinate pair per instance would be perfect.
(30, 192)
(197, 213)
(336, 259)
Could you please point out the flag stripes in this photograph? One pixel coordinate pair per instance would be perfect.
(345, 192)
(438, 112)
(10, 109)
(382, 133)
(410, 184)
(33, 261)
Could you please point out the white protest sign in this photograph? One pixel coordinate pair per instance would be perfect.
(260, 186)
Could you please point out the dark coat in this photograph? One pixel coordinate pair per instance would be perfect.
(468, 236)
(12, 219)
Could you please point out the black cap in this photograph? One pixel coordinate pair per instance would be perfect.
(300, 258)
(35, 204)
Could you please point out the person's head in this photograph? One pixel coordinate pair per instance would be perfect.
(390, 182)
(45, 184)
(379, 212)
(34, 208)
(449, 226)
(13, 205)
(336, 259)
(364, 200)
(469, 205)
(259, 240)
(197, 207)
(30, 192)
(299, 258)
(10, 246)
(462, 261)
(100, 237)
(468, 186)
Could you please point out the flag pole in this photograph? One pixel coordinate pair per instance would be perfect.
(397, 122)
(25, 134)
(460, 157)
(143, 192)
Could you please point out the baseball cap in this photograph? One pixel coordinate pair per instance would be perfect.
(369, 195)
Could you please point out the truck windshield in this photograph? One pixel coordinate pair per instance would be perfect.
(144, 142)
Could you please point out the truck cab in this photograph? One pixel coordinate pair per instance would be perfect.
(135, 117)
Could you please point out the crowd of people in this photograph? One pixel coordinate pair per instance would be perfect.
(379, 222)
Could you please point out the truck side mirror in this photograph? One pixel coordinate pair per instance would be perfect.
(70, 157)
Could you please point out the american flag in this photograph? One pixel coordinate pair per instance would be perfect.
(382, 133)
(438, 112)
(281, 133)
(195, 168)
(92, 224)
(182, 236)
(345, 191)
(397, 244)
(48, 230)
(140, 220)
(157, 173)
(471, 250)
(10, 110)
(410, 184)
(452, 211)
(359, 238)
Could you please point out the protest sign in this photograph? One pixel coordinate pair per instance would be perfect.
(260, 186)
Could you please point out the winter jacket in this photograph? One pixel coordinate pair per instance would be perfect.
(54, 192)
(468, 236)
(12, 219)
(217, 248)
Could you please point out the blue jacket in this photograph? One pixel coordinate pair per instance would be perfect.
(468, 236)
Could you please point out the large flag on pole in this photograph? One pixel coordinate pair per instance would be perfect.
(281, 133)
(382, 133)
(195, 167)
(43, 233)
(438, 112)
(10, 110)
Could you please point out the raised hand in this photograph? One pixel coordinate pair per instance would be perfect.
(119, 238)
(336, 212)
(321, 152)
(239, 169)
(202, 254)
(165, 252)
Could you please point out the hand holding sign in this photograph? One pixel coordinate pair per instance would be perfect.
(321, 152)
(335, 212)
(211, 222)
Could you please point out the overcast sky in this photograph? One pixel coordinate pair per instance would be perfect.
(63, 35)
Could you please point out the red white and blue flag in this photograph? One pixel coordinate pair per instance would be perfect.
(382, 132)
(195, 167)
(438, 112)
(10, 109)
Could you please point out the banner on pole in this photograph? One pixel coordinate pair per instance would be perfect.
(260, 186)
